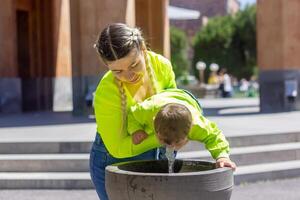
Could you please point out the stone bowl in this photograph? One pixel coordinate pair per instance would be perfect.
(150, 180)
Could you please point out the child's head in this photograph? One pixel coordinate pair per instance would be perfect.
(172, 125)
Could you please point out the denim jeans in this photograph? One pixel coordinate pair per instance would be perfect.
(100, 158)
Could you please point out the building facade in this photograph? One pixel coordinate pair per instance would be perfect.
(47, 59)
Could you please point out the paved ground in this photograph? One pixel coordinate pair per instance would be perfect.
(233, 116)
(46, 126)
(275, 190)
(242, 117)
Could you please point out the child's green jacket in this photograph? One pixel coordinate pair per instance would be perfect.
(141, 117)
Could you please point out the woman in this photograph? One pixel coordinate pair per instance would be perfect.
(134, 75)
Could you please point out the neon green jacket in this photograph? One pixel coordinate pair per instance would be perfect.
(142, 116)
(108, 110)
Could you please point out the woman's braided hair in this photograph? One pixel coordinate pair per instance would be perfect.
(115, 42)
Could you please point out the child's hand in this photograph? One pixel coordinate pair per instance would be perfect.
(225, 162)
(138, 137)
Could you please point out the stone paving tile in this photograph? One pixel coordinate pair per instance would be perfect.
(287, 189)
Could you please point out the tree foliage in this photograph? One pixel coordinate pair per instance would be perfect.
(229, 41)
(179, 45)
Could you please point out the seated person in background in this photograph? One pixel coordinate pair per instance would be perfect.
(175, 117)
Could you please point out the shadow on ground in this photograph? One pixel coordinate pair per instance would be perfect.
(42, 118)
(232, 111)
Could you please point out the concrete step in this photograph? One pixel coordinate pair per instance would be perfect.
(250, 140)
(80, 162)
(263, 139)
(44, 163)
(81, 180)
(51, 147)
(269, 171)
(47, 180)
(253, 154)
(42, 147)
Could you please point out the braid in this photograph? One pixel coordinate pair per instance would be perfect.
(110, 45)
(151, 75)
(123, 102)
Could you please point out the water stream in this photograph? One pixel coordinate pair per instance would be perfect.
(171, 158)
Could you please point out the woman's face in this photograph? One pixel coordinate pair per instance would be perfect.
(129, 69)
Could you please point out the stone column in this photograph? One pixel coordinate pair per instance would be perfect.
(87, 20)
(10, 84)
(278, 42)
(152, 18)
(62, 80)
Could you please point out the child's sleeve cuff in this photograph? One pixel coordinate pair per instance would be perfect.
(222, 155)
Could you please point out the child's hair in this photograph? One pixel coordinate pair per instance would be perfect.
(173, 122)
(115, 42)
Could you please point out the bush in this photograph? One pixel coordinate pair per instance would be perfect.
(229, 41)
(179, 46)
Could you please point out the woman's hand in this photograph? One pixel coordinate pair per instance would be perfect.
(139, 136)
(225, 162)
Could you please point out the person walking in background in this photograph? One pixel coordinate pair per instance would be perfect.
(213, 78)
(135, 74)
(244, 86)
(225, 83)
(253, 87)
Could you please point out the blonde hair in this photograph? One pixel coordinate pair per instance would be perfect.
(123, 94)
(150, 74)
(123, 101)
(115, 42)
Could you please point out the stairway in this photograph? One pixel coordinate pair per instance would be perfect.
(260, 157)
(64, 165)
(45, 165)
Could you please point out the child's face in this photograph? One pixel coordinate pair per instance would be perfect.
(176, 145)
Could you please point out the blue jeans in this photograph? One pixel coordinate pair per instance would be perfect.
(100, 158)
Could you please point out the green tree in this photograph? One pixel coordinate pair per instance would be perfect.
(229, 41)
(245, 41)
(179, 45)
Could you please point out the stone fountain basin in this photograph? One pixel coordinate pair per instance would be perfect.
(150, 180)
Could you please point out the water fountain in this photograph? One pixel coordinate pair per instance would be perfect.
(151, 180)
